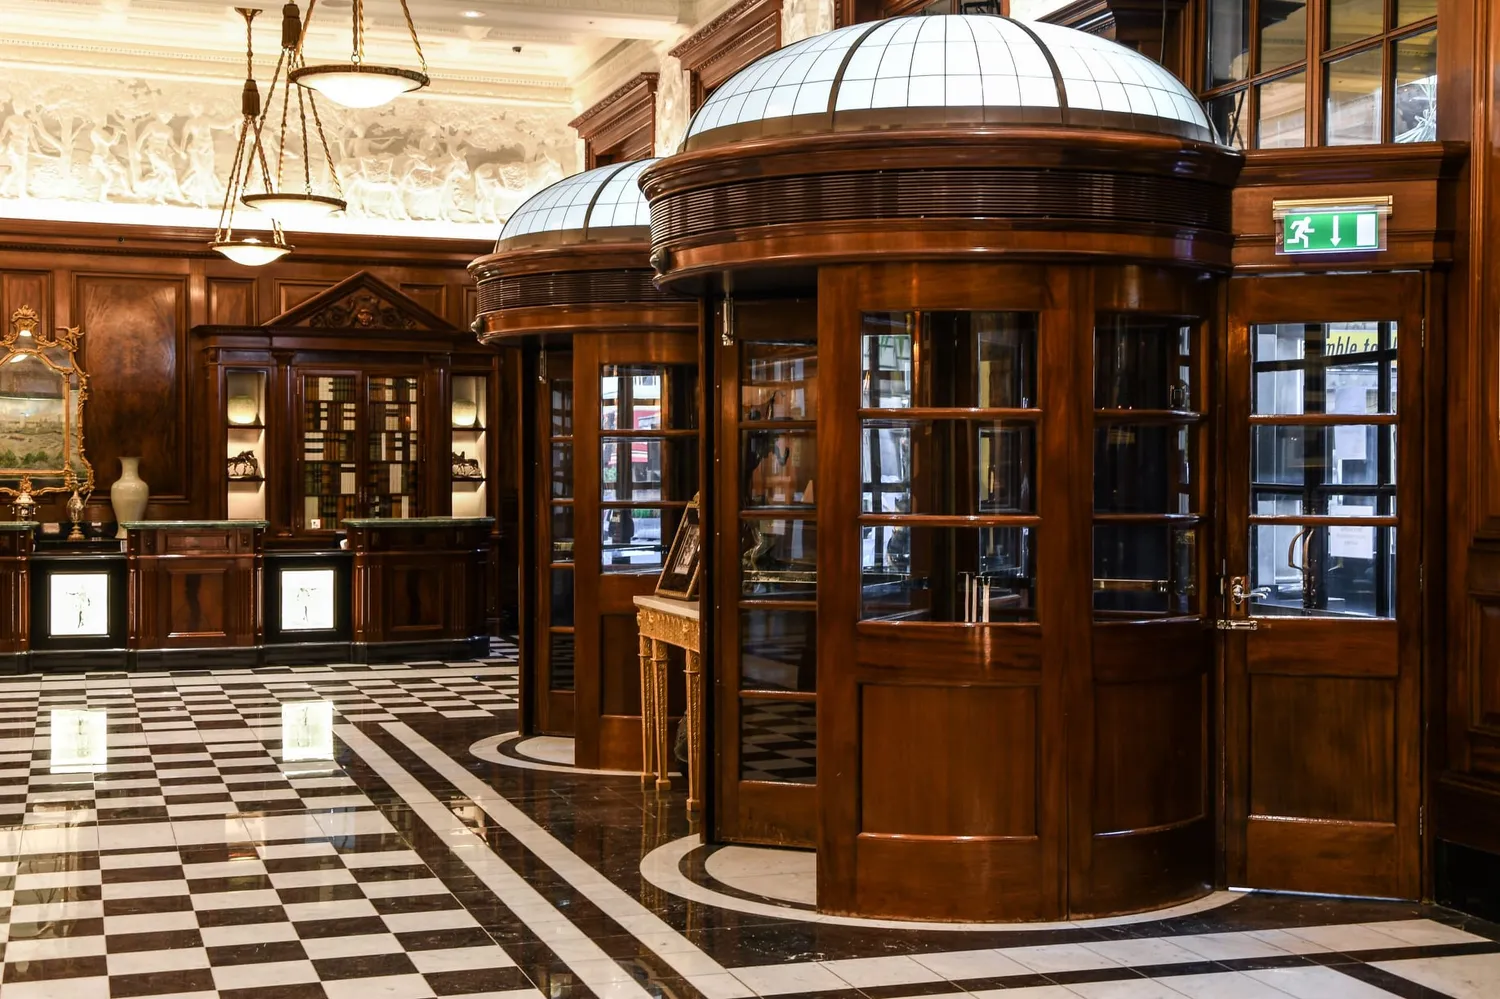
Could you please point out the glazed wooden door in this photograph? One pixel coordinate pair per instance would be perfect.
(552, 624)
(1321, 597)
(766, 680)
(635, 468)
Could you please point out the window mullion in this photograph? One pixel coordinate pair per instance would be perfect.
(1317, 31)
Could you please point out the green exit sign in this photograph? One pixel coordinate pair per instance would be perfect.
(1325, 227)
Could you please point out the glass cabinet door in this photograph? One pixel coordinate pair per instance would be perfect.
(555, 538)
(393, 473)
(648, 461)
(330, 464)
(947, 453)
(1147, 479)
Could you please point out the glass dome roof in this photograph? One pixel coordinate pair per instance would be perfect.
(606, 197)
(962, 68)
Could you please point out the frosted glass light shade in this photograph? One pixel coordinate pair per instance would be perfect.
(359, 86)
(243, 410)
(465, 412)
(251, 252)
(295, 210)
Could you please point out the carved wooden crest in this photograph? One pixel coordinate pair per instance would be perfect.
(362, 302)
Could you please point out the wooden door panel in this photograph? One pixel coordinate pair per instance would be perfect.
(1322, 723)
(972, 737)
(1323, 748)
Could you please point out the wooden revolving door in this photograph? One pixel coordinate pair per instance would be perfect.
(1015, 655)
(614, 432)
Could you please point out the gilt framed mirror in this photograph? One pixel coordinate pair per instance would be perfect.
(42, 392)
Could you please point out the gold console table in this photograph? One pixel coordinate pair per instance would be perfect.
(663, 621)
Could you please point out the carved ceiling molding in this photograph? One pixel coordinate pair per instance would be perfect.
(625, 118)
(363, 302)
(730, 42)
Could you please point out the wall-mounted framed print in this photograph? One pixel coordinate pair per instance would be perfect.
(679, 571)
(78, 605)
(308, 599)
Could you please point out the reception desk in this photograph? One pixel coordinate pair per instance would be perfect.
(211, 593)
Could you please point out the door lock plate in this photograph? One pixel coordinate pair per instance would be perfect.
(1236, 625)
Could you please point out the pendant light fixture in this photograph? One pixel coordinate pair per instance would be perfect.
(252, 251)
(288, 208)
(358, 84)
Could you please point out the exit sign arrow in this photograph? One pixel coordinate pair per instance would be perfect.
(1323, 227)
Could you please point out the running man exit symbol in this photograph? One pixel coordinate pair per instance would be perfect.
(1341, 230)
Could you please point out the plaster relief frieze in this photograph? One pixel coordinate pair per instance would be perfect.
(804, 18)
(673, 107)
(76, 146)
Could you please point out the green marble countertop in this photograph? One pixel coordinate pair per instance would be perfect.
(19, 525)
(151, 525)
(419, 521)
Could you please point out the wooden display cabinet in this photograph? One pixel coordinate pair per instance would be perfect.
(346, 407)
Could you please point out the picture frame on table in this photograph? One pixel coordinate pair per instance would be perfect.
(679, 571)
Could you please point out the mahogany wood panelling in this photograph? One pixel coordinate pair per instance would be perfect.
(133, 349)
(290, 294)
(231, 301)
(622, 125)
(433, 297)
(196, 589)
(418, 584)
(31, 289)
(15, 591)
(727, 44)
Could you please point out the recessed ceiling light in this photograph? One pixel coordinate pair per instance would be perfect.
(473, 13)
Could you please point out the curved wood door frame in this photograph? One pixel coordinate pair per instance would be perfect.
(1317, 673)
(602, 740)
(950, 875)
(554, 709)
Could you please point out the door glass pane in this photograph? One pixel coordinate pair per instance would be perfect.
(330, 492)
(1351, 20)
(1353, 102)
(1144, 468)
(1283, 33)
(1343, 368)
(1323, 570)
(1228, 41)
(779, 741)
(1282, 123)
(562, 469)
(779, 559)
(1142, 363)
(645, 397)
(778, 380)
(560, 392)
(562, 533)
(778, 468)
(778, 650)
(635, 539)
(947, 467)
(1228, 114)
(973, 575)
(1145, 569)
(562, 598)
(948, 360)
(560, 660)
(1317, 463)
(1415, 108)
(648, 469)
(1412, 11)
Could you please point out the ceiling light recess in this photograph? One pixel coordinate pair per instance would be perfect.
(358, 84)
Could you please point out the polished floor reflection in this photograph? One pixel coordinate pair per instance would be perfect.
(348, 831)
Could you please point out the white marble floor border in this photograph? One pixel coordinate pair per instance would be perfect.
(684, 957)
(662, 867)
(583, 956)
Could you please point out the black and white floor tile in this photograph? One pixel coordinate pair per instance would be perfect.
(206, 854)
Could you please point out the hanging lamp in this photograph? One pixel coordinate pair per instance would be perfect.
(288, 208)
(358, 84)
(252, 251)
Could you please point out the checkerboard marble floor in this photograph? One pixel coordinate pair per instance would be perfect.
(202, 834)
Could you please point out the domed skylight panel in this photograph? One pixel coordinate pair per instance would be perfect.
(604, 198)
(961, 68)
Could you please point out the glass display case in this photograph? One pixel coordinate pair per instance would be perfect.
(247, 454)
(948, 525)
(329, 462)
(1147, 478)
(469, 428)
(555, 538)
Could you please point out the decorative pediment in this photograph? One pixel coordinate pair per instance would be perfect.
(363, 302)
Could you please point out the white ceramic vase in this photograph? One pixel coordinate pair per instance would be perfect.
(129, 494)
